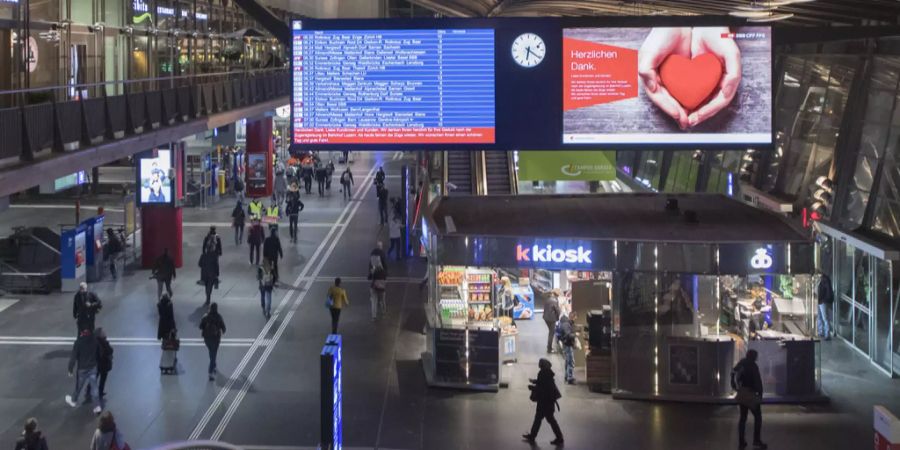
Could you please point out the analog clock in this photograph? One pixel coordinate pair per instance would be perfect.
(528, 50)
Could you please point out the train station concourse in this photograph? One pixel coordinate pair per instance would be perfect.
(439, 224)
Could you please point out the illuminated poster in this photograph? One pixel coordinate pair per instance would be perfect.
(702, 85)
(156, 185)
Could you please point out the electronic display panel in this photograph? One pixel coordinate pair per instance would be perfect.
(154, 180)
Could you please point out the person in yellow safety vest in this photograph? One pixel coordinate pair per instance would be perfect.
(255, 209)
(272, 211)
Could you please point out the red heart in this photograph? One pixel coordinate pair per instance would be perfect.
(691, 81)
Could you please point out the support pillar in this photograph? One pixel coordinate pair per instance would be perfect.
(160, 230)
(259, 152)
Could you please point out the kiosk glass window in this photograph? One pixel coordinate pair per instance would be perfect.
(883, 298)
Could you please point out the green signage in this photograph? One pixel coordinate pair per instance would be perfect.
(558, 165)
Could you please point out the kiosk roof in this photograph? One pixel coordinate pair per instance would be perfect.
(630, 217)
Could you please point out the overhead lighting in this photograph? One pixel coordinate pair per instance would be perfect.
(771, 18)
(751, 14)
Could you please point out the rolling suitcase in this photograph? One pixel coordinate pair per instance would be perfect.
(168, 360)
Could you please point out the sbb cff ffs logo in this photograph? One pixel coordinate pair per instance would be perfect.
(548, 253)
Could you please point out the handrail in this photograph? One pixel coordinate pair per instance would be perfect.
(446, 175)
(481, 172)
(141, 80)
(41, 241)
(513, 173)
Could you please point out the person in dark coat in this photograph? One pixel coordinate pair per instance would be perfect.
(104, 359)
(237, 221)
(113, 247)
(551, 316)
(212, 327)
(209, 273)
(164, 272)
(85, 307)
(825, 297)
(83, 366)
(212, 246)
(293, 208)
(382, 194)
(255, 238)
(545, 393)
(321, 177)
(746, 377)
(272, 251)
(31, 439)
(346, 183)
(166, 317)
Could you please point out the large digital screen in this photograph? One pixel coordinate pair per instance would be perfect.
(693, 85)
(590, 83)
(393, 86)
(155, 183)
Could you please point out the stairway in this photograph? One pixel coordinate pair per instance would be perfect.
(459, 172)
(497, 172)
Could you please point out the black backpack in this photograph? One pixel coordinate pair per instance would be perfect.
(211, 328)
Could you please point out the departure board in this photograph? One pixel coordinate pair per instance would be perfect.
(403, 86)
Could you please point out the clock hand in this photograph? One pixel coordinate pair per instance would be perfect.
(528, 50)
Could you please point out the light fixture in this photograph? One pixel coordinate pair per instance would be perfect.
(771, 18)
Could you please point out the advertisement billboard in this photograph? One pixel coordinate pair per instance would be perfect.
(154, 180)
(560, 165)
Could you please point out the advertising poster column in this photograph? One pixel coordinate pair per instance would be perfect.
(72, 258)
(259, 158)
(161, 216)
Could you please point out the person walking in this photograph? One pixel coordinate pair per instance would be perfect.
(294, 206)
(164, 273)
(380, 176)
(85, 308)
(337, 300)
(377, 289)
(212, 246)
(377, 258)
(565, 332)
(825, 297)
(239, 187)
(306, 172)
(237, 221)
(545, 393)
(166, 322)
(209, 274)
(321, 176)
(394, 232)
(255, 238)
(266, 277)
(272, 251)
(104, 360)
(212, 327)
(83, 366)
(114, 247)
(280, 186)
(329, 174)
(747, 382)
(551, 316)
(382, 193)
(347, 183)
(107, 435)
(31, 439)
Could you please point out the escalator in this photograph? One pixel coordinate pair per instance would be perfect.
(498, 176)
(460, 169)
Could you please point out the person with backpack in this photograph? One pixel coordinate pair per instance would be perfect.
(239, 187)
(166, 322)
(272, 251)
(255, 238)
(747, 382)
(114, 246)
(266, 277)
(565, 332)
(545, 393)
(237, 221)
(825, 298)
(164, 273)
(377, 289)
(336, 301)
(377, 258)
(83, 366)
(107, 436)
(294, 206)
(85, 308)
(346, 183)
(212, 327)
(104, 360)
(31, 439)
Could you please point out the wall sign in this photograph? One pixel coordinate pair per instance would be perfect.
(557, 165)
(761, 259)
(548, 253)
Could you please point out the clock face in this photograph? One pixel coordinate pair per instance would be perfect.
(528, 50)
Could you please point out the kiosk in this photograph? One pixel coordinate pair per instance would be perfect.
(688, 283)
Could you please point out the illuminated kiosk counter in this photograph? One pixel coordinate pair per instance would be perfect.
(694, 281)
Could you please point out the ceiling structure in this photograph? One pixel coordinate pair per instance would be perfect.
(810, 13)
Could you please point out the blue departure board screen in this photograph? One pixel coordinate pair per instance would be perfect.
(404, 86)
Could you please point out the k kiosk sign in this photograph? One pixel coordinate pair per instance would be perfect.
(551, 254)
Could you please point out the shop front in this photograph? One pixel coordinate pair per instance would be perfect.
(667, 306)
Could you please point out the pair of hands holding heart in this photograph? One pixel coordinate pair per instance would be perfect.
(682, 71)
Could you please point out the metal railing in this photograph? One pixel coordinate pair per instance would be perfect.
(51, 124)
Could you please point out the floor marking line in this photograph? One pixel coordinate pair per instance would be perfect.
(223, 393)
(367, 184)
